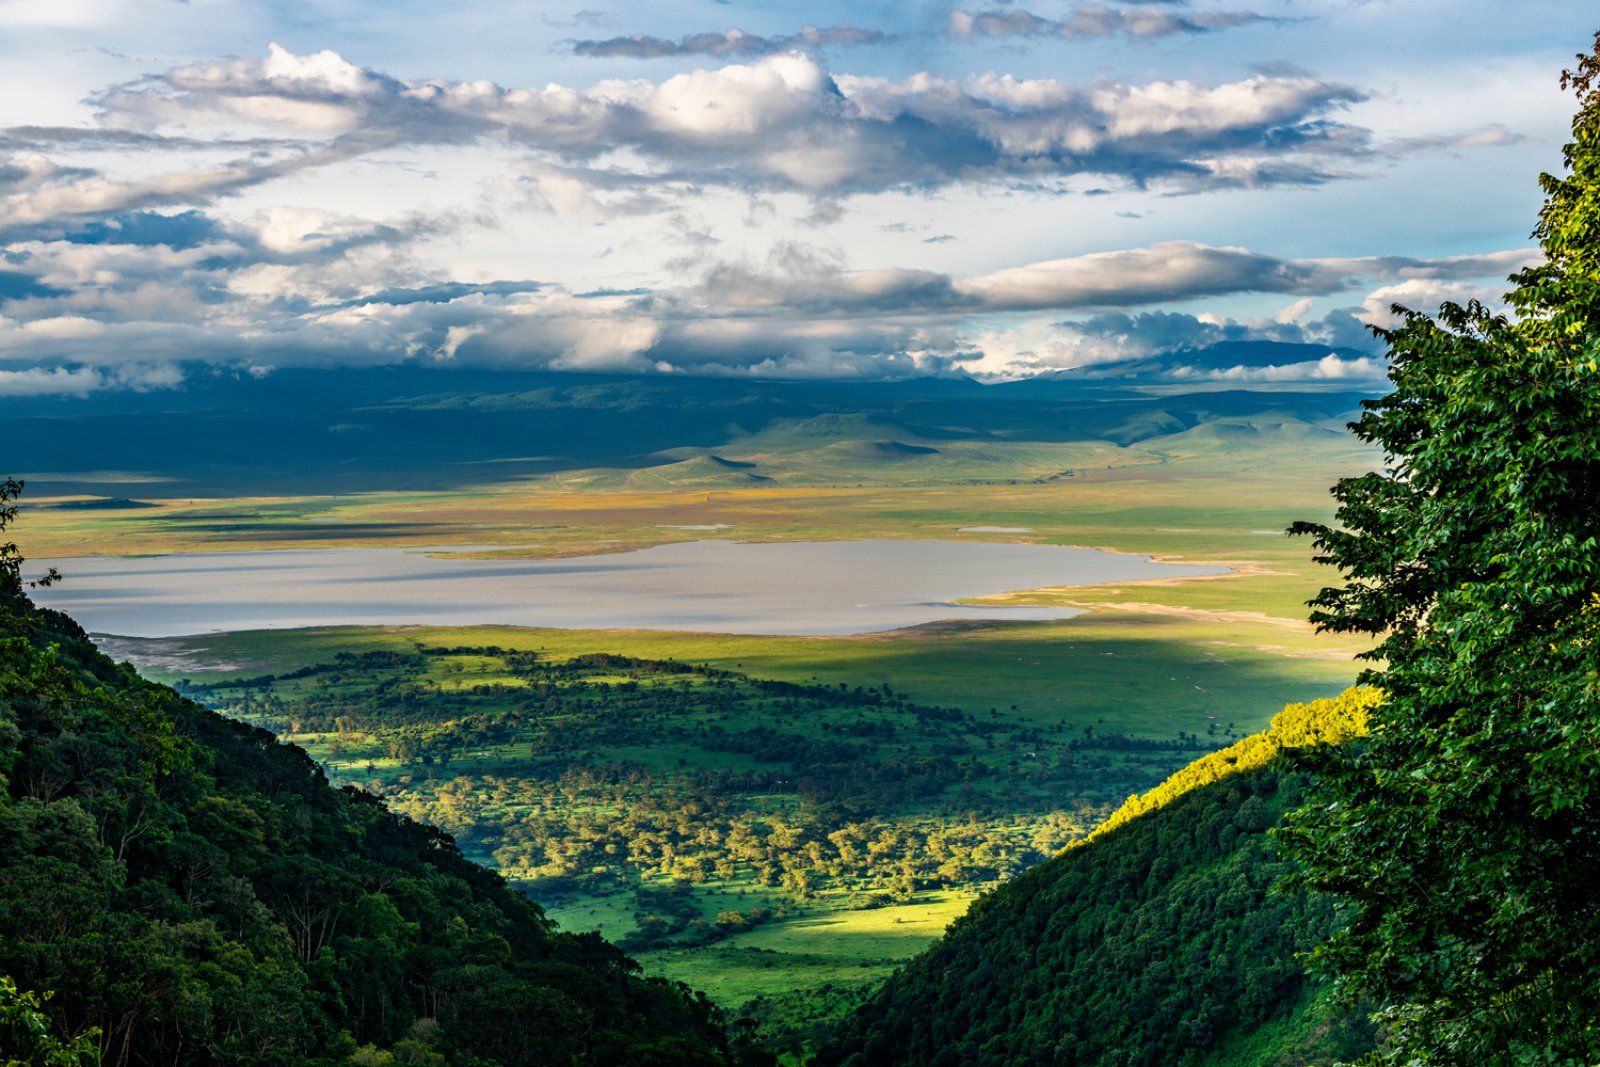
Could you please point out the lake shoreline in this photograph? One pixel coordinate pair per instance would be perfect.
(791, 588)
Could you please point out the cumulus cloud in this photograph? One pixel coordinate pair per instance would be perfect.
(782, 122)
(1330, 368)
(81, 381)
(1424, 295)
(1167, 272)
(34, 189)
(1092, 20)
(55, 381)
(1117, 343)
(1174, 347)
(292, 286)
(733, 42)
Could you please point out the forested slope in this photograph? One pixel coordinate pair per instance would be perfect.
(198, 894)
(1156, 944)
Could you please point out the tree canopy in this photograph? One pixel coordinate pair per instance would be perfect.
(1465, 830)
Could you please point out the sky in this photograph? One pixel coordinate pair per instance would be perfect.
(833, 190)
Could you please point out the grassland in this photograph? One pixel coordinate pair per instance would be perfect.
(1225, 507)
(1148, 674)
(1220, 501)
(751, 837)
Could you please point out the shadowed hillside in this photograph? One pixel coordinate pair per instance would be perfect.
(190, 891)
(1158, 942)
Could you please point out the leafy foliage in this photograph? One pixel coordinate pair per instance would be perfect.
(193, 892)
(1150, 945)
(1321, 722)
(1466, 828)
(28, 1040)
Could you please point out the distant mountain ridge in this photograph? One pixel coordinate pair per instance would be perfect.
(412, 427)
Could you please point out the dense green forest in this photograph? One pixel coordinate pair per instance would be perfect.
(589, 773)
(778, 844)
(1159, 943)
(179, 888)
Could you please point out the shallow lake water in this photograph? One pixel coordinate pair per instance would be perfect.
(806, 587)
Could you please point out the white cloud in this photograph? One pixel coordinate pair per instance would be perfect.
(56, 381)
(81, 381)
(1424, 295)
(296, 286)
(280, 208)
(1171, 271)
(781, 122)
(1330, 368)
(41, 191)
(454, 337)
(1294, 312)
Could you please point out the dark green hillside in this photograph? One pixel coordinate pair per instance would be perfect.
(1158, 943)
(199, 894)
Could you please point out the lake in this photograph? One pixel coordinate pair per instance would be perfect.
(791, 588)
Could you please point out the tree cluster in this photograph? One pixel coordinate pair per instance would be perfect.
(588, 774)
(1465, 829)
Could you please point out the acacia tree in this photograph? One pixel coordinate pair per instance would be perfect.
(1465, 830)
